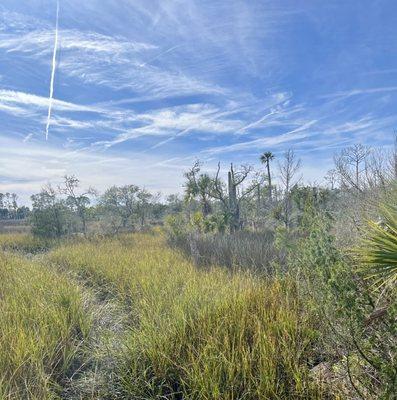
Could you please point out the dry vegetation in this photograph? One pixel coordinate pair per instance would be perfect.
(192, 333)
(42, 329)
(247, 291)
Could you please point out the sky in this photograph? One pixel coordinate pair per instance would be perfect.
(140, 89)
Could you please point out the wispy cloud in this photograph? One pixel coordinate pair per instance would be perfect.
(108, 61)
(39, 102)
(356, 92)
(262, 143)
(176, 121)
(26, 167)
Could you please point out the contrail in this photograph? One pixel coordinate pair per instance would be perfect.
(54, 57)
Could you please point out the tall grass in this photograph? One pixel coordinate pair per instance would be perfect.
(42, 326)
(24, 242)
(241, 250)
(199, 334)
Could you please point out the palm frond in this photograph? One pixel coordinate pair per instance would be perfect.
(378, 250)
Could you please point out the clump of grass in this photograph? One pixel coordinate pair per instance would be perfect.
(25, 243)
(42, 327)
(199, 334)
(240, 250)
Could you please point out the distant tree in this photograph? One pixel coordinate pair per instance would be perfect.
(23, 212)
(331, 178)
(49, 214)
(232, 195)
(127, 204)
(198, 186)
(265, 159)
(288, 169)
(174, 204)
(350, 164)
(77, 202)
(143, 205)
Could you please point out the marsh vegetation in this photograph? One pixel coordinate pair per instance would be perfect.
(247, 288)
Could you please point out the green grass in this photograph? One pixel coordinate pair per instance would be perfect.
(24, 242)
(198, 334)
(42, 327)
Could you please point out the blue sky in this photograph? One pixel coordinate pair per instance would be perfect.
(143, 88)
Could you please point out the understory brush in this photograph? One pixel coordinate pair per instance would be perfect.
(359, 320)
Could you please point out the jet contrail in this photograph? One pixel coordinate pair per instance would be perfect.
(54, 56)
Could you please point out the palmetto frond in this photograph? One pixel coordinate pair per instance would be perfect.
(378, 251)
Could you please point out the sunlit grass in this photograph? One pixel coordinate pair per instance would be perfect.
(199, 334)
(42, 326)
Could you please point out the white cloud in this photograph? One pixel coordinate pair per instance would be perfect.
(175, 121)
(39, 102)
(39, 41)
(261, 143)
(355, 92)
(108, 61)
(26, 167)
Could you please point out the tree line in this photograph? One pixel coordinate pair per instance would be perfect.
(9, 208)
(229, 200)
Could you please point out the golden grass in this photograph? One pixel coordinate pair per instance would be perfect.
(198, 334)
(42, 326)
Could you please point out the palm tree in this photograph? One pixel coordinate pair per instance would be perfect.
(265, 159)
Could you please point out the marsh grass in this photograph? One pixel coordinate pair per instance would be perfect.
(198, 334)
(241, 250)
(42, 328)
(25, 243)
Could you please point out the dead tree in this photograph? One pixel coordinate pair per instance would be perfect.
(231, 197)
(350, 164)
(288, 168)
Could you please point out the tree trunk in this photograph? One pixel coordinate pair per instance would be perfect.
(233, 204)
(269, 178)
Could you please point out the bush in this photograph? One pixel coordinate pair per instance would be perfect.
(358, 326)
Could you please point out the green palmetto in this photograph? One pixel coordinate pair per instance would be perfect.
(378, 251)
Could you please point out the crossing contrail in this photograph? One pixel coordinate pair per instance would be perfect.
(54, 57)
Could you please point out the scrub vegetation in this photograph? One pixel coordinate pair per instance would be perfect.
(253, 286)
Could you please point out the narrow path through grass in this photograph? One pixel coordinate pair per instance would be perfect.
(198, 334)
(130, 318)
(34, 318)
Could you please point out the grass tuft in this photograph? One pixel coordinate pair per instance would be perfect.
(42, 327)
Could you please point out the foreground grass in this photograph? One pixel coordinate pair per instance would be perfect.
(42, 326)
(198, 334)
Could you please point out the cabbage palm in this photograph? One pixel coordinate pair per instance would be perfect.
(379, 249)
(265, 158)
